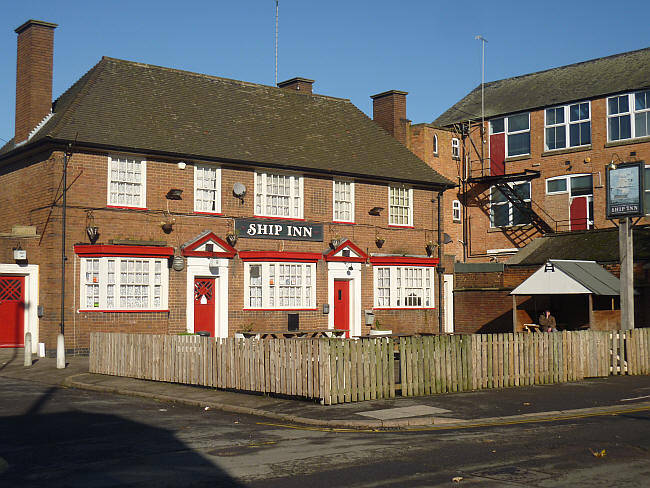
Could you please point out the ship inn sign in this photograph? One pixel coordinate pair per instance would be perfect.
(625, 190)
(292, 230)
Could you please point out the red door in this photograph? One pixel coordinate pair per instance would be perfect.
(497, 154)
(204, 305)
(12, 311)
(342, 306)
(578, 213)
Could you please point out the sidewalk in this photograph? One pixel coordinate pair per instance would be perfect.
(596, 396)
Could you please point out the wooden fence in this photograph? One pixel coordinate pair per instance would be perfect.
(341, 370)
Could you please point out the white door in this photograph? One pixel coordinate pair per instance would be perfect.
(448, 293)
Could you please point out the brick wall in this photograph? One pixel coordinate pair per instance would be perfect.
(34, 183)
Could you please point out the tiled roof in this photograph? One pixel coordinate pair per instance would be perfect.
(131, 106)
(581, 81)
(593, 245)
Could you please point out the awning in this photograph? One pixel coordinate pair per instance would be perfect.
(565, 277)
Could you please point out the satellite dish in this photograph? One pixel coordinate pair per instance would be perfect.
(239, 190)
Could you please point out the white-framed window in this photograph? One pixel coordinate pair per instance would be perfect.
(343, 200)
(279, 285)
(517, 133)
(567, 126)
(404, 286)
(127, 177)
(455, 148)
(435, 144)
(124, 283)
(646, 193)
(575, 185)
(400, 205)
(503, 213)
(628, 116)
(456, 210)
(207, 188)
(556, 185)
(278, 195)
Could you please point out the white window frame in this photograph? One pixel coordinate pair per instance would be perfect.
(506, 128)
(435, 144)
(271, 286)
(559, 192)
(336, 202)
(632, 112)
(510, 206)
(158, 279)
(391, 215)
(646, 190)
(455, 148)
(112, 202)
(456, 211)
(198, 168)
(566, 125)
(296, 194)
(398, 281)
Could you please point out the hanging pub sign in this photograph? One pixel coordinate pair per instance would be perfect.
(292, 230)
(625, 190)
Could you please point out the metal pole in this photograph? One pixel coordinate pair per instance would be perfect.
(625, 247)
(277, 9)
(63, 256)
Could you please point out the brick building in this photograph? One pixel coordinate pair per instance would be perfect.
(201, 203)
(532, 165)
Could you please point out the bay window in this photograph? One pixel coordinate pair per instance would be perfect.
(403, 287)
(279, 285)
(115, 283)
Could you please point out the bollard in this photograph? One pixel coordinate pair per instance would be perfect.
(28, 349)
(60, 351)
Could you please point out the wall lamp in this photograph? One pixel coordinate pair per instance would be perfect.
(612, 165)
(376, 210)
(174, 194)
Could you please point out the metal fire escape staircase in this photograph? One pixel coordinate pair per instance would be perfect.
(503, 184)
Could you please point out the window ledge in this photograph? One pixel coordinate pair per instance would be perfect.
(109, 310)
(627, 142)
(523, 157)
(510, 227)
(569, 150)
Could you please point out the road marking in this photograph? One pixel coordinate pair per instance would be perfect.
(636, 398)
(382, 430)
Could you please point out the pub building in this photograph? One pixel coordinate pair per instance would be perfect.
(198, 203)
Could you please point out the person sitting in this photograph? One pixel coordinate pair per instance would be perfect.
(547, 322)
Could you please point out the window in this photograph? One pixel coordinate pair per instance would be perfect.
(502, 212)
(455, 210)
(577, 185)
(556, 185)
(628, 116)
(435, 144)
(124, 283)
(343, 201)
(518, 134)
(400, 205)
(403, 287)
(455, 148)
(280, 285)
(126, 182)
(278, 195)
(570, 123)
(207, 189)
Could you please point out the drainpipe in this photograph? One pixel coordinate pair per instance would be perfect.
(66, 156)
(439, 268)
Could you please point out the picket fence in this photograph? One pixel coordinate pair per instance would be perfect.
(348, 370)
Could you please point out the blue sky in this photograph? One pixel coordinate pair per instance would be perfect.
(353, 49)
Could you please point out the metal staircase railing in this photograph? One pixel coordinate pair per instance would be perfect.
(526, 208)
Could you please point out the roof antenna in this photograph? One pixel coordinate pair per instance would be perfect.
(483, 41)
(277, 8)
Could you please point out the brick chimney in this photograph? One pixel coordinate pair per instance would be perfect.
(299, 84)
(389, 111)
(33, 75)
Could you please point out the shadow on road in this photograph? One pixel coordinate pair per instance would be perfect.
(80, 449)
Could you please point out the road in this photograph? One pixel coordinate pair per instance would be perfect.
(62, 437)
